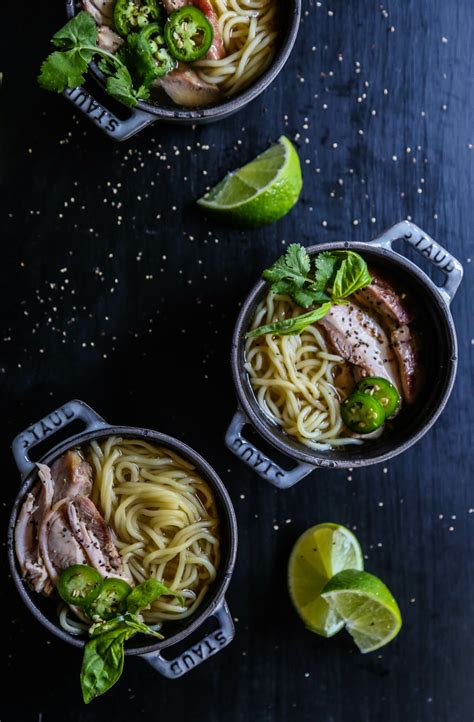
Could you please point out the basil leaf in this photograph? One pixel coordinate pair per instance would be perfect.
(352, 275)
(102, 664)
(132, 622)
(122, 623)
(292, 326)
(146, 593)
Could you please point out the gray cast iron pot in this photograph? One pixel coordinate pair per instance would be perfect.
(439, 341)
(146, 113)
(214, 604)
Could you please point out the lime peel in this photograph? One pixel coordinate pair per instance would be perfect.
(261, 191)
(370, 613)
(317, 555)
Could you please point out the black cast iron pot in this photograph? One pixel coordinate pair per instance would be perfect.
(146, 113)
(438, 340)
(214, 604)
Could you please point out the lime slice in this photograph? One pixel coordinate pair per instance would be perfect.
(321, 552)
(370, 613)
(260, 192)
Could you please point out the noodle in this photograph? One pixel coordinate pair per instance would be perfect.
(295, 378)
(249, 33)
(163, 518)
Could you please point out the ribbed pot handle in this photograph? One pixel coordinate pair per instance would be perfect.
(199, 652)
(104, 119)
(48, 426)
(430, 249)
(257, 460)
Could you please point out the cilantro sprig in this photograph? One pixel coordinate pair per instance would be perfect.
(67, 66)
(328, 280)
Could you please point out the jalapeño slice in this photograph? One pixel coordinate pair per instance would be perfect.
(110, 600)
(79, 585)
(153, 58)
(362, 413)
(130, 16)
(188, 34)
(382, 390)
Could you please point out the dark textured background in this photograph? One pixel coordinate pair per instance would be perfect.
(117, 291)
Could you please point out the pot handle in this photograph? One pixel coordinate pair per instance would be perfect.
(49, 425)
(105, 119)
(430, 249)
(257, 460)
(199, 652)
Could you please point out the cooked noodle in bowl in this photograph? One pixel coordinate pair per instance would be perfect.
(249, 34)
(163, 519)
(297, 381)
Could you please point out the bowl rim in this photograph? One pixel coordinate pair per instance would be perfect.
(214, 596)
(220, 110)
(264, 426)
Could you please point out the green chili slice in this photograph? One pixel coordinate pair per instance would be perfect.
(130, 16)
(152, 57)
(110, 600)
(79, 584)
(382, 390)
(188, 34)
(362, 413)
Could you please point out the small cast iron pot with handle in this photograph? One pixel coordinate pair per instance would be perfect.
(146, 113)
(432, 308)
(213, 605)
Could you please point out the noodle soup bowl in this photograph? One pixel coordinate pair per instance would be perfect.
(432, 308)
(213, 604)
(145, 113)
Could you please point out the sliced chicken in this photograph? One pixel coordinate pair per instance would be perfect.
(93, 534)
(184, 87)
(359, 339)
(71, 475)
(108, 39)
(217, 50)
(58, 546)
(35, 507)
(344, 380)
(382, 298)
(101, 10)
(26, 545)
(405, 350)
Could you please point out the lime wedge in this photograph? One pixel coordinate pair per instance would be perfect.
(260, 192)
(321, 552)
(370, 613)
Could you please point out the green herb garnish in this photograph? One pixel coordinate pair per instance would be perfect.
(66, 67)
(103, 659)
(102, 663)
(329, 280)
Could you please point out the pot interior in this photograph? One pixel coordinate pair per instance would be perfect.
(162, 104)
(174, 631)
(437, 347)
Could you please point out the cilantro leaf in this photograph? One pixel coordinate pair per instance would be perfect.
(80, 30)
(324, 268)
(294, 266)
(119, 84)
(66, 67)
(63, 70)
(335, 277)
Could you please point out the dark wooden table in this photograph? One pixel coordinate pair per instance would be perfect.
(117, 291)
